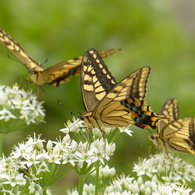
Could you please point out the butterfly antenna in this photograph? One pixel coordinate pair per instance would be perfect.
(40, 89)
(69, 107)
(140, 142)
(45, 61)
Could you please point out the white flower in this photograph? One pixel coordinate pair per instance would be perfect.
(12, 175)
(169, 169)
(6, 115)
(72, 192)
(77, 126)
(74, 127)
(35, 188)
(126, 130)
(99, 150)
(14, 179)
(42, 162)
(43, 167)
(18, 108)
(133, 186)
(167, 179)
(106, 171)
(90, 189)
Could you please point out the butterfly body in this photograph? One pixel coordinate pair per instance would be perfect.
(174, 134)
(111, 104)
(54, 75)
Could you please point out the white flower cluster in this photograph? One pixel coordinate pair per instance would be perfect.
(174, 174)
(167, 168)
(129, 185)
(63, 152)
(33, 162)
(13, 178)
(17, 105)
(105, 171)
(35, 165)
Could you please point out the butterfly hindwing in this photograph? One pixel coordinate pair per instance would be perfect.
(124, 102)
(175, 134)
(54, 75)
(192, 132)
(112, 104)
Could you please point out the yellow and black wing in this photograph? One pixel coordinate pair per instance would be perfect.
(96, 81)
(56, 74)
(61, 72)
(178, 136)
(18, 51)
(170, 110)
(174, 134)
(112, 104)
(191, 140)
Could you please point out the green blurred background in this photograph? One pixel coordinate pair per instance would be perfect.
(155, 33)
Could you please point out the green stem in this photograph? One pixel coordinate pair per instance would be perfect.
(97, 181)
(44, 190)
(1, 143)
(81, 184)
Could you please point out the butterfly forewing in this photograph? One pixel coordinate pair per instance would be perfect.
(70, 67)
(133, 86)
(18, 51)
(112, 104)
(55, 75)
(170, 109)
(96, 81)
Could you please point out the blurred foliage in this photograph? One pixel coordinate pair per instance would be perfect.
(154, 33)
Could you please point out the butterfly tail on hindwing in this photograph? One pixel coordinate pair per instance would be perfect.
(144, 116)
(111, 104)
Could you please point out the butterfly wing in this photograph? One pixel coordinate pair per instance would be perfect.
(96, 81)
(191, 140)
(170, 110)
(177, 136)
(61, 72)
(55, 75)
(109, 104)
(125, 105)
(18, 51)
(182, 138)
